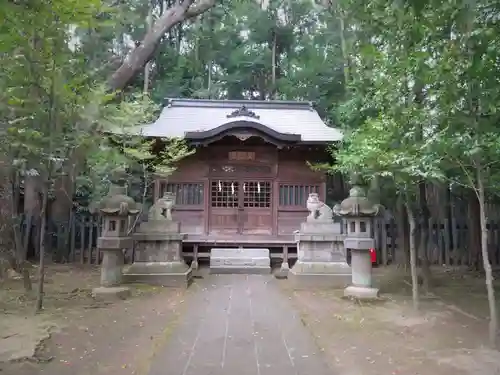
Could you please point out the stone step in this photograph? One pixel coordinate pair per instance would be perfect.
(240, 260)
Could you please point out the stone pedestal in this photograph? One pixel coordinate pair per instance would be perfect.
(158, 256)
(321, 259)
(111, 267)
(243, 261)
(361, 287)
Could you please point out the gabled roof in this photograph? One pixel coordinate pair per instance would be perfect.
(199, 118)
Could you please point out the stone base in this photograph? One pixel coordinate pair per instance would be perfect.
(282, 273)
(168, 274)
(320, 274)
(252, 270)
(361, 292)
(109, 294)
(315, 227)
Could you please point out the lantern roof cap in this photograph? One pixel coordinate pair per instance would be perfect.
(357, 204)
(118, 203)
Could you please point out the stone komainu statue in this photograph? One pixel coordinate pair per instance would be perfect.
(162, 209)
(318, 211)
(156, 212)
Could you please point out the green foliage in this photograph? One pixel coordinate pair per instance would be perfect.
(227, 54)
(423, 100)
(55, 112)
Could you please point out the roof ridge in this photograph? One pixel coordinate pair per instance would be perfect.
(253, 104)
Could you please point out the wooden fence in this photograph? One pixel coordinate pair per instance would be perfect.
(448, 241)
(76, 242)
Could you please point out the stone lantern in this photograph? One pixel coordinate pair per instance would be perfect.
(116, 209)
(359, 211)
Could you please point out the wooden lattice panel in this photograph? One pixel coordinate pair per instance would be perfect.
(224, 193)
(257, 194)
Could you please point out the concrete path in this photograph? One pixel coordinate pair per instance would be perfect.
(239, 325)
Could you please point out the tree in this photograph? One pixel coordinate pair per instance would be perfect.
(423, 105)
(51, 106)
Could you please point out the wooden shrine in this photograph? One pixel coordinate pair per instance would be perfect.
(248, 182)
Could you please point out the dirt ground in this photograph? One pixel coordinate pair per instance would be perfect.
(448, 336)
(86, 337)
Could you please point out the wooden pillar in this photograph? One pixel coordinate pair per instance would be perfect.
(275, 205)
(206, 205)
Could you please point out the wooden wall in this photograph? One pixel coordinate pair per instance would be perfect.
(290, 177)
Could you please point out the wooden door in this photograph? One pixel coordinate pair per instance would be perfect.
(257, 212)
(224, 207)
(240, 207)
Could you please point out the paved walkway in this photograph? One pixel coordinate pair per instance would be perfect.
(239, 325)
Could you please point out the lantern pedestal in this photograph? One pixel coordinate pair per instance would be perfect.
(321, 260)
(111, 267)
(111, 275)
(361, 287)
(158, 256)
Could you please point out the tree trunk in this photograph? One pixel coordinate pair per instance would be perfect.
(31, 210)
(413, 255)
(474, 230)
(273, 66)
(345, 54)
(147, 67)
(18, 263)
(493, 326)
(403, 244)
(41, 269)
(424, 236)
(141, 54)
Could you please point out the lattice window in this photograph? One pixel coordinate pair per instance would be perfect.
(257, 194)
(186, 194)
(224, 193)
(296, 195)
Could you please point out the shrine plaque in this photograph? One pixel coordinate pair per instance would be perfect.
(241, 155)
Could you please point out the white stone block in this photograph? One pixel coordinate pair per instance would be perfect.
(240, 259)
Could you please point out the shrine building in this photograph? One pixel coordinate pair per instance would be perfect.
(248, 181)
